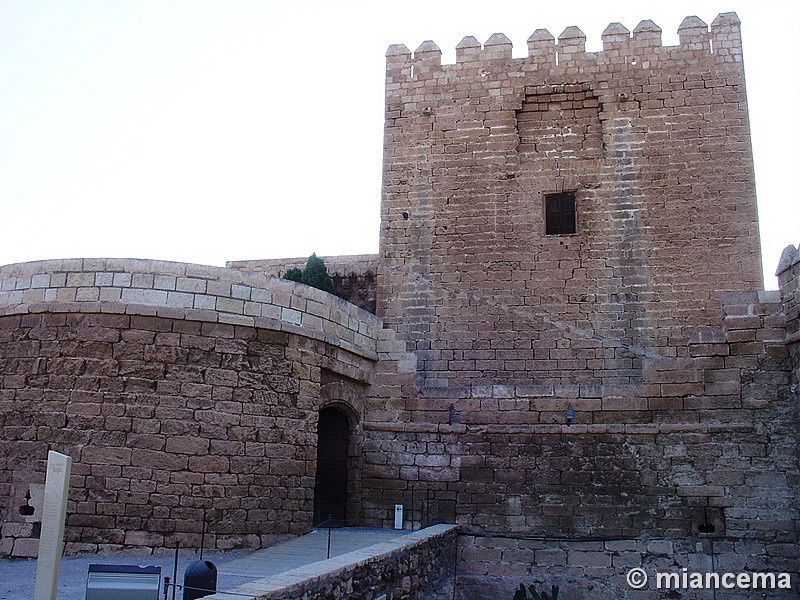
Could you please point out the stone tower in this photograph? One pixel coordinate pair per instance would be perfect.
(558, 218)
(569, 246)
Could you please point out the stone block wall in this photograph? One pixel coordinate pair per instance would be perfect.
(654, 143)
(182, 393)
(705, 448)
(597, 568)
(168, 422)
(197, 291)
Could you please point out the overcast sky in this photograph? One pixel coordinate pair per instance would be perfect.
(206, 131)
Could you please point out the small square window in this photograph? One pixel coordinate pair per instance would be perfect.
(560, 216)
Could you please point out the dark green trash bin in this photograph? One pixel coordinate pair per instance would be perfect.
(199, 580)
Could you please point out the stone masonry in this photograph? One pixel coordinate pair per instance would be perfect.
(572, 359)
(789, 277)
(654, 143)
(594, 400)
(182, 392)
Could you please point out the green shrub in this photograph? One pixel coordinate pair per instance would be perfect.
(294, 274)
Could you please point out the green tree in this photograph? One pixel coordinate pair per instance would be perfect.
(315, 274)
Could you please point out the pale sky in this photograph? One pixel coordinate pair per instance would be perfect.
(212, 130)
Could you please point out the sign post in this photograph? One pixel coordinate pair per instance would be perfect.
(54, 513)
(398, 516)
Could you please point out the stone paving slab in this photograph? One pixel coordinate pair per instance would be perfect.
(304, 550)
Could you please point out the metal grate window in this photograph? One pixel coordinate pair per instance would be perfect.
(560, 214)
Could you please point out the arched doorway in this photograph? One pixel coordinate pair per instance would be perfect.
(330, 485)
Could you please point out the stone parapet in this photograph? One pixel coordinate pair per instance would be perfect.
(639, 50)
(187, 291)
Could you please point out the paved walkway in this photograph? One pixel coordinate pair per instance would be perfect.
(303, 550)
(234, 568)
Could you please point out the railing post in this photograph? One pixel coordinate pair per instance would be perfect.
(329, 535)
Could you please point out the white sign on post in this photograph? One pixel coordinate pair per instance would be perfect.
(398, 516)
(54, 512)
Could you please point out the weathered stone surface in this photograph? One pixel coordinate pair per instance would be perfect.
(150, 437)
(628, 380)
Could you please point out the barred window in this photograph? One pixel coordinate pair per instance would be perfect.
(560, 213)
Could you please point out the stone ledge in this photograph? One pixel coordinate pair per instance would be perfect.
(576, 429)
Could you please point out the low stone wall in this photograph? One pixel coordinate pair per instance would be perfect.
(597, 568)
(412, 566)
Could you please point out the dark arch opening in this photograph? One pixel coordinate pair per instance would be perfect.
(330, 484)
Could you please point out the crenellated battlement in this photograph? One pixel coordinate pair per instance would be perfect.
(642, 47)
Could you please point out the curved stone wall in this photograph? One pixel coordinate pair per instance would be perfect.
(187, 291)
(182, 392)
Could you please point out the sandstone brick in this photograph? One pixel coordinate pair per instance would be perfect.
(25, 548)
(157, 460)
(144, 538)
(589, 559)
(17, 530)
(187, 445)
(209, 464)
(100, 455)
